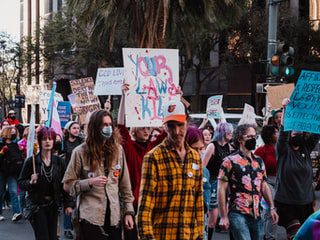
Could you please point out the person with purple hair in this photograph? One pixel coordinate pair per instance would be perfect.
(213, 157)
(44, 187)
(310, 230)
(195, 140)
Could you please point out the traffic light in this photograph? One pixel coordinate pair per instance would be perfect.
(287, 60)
(282, 61)
(275, 65)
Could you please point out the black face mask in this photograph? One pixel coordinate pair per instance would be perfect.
(250, 144)
(57, 146)
(297, 141)
(13, 136)
(13, 117)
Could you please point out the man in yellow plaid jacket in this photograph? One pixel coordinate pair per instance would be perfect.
(171, 197)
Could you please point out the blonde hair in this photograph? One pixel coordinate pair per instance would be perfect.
(7, 132)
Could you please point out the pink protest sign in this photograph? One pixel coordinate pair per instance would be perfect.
(153, 76)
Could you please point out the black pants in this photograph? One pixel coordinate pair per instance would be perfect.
(105, 232)
(44, 223)
(90, 231)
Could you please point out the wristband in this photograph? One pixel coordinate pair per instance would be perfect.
(273, 208)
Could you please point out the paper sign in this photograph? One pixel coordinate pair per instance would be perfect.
(44, 97)
(303, 111)
(72, 99)
(248, 115)
(276, 94)
(153, 78)
(64, 110)
(109, 81)
(214, 109)
(85, 100)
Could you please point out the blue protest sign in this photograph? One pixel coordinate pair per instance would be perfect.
(64, 110)
(303, 111)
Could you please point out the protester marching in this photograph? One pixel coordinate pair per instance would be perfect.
(143, 169)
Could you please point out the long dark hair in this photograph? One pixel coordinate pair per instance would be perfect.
(97, 149)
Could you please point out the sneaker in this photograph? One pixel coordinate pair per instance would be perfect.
(68, 234)
(2, 218)
(16, 217)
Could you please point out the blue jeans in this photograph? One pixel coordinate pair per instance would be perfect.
(13, 191)
(67, 225)
(214, 194)
(245, 227)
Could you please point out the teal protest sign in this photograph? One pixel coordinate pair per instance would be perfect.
(303, 111)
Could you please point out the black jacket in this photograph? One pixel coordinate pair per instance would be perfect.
(11, 161)
(35, 192)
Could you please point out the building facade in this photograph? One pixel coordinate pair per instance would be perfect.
(34, 14)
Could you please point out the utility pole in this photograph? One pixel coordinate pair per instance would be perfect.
(272, 33)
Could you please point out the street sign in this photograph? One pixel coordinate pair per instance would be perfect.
(19, 101)
(262, 87)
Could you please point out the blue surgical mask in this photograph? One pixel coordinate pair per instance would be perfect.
(106, 132)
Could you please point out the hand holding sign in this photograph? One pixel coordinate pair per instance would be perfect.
(285, 102)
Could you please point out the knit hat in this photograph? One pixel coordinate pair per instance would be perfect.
(68, 125)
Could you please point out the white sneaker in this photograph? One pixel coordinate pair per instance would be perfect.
(2, 218)
(16, 217)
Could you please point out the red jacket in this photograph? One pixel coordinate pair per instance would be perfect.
(134, 155)
(13, 122)
(268, 154)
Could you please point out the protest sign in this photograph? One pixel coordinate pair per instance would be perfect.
(153, 78)
(84, 98)
(248, 115)
(303, 111)
(109, 81)
(276, 94)
(44, 97)
(64, 110)
(214, 109)
(72, 99)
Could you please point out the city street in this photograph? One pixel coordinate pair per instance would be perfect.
(23, 230)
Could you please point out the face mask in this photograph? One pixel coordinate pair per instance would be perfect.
(297, 141)
(13, 136)
(106, 132)
(250, 144)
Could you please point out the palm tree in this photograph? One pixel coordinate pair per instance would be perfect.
(152, 23)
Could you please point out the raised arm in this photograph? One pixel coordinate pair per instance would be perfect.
(203, 123)
(283, 139)
(208, 154)
(121, 111)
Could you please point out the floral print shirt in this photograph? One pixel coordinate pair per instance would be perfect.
(245, 179)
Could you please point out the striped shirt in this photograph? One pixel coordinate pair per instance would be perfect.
(171, 196)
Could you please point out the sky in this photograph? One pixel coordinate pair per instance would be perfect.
(9, 17)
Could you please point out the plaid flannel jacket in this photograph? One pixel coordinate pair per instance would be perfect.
(171, 195)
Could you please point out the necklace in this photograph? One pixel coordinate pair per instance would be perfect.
(47, 173)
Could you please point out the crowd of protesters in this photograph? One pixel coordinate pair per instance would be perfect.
(178, 181)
